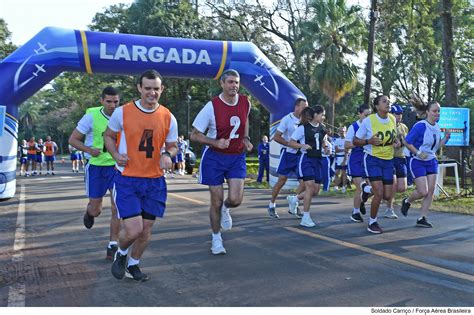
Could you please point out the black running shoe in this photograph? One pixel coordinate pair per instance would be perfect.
(374, 228)
(272, 212)
(362, 208)
(405, 206)
(356, 217)
(111, 252)
(364, 196)
(134, 272)
(118, 267)
(423, 223)
(88, 220)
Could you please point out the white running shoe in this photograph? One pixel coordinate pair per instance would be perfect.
(390, 214)
(307, 222)
(292, 204)
(217, 247)
(226, 219)
(343, 189)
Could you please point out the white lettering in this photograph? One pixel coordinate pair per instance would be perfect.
(189, 56)
(173, 56)
(203, 58)
(122, 53)
(139, 52)
(103, 52)
(156, 54)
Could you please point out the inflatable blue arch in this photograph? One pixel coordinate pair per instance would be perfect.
(55, 50)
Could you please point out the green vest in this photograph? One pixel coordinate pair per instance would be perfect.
(99, 124)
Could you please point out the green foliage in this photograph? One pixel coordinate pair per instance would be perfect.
(6, 47)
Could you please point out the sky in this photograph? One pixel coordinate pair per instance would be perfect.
(25, 18)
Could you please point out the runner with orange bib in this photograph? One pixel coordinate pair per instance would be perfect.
(139, 185)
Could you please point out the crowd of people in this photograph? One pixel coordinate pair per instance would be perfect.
(129, 149)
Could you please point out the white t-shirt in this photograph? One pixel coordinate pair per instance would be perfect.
(116, 125)
(206, 120)
(365, 131)
(339, 144)
(287, 126)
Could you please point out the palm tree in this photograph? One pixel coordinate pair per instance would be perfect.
(335, 32)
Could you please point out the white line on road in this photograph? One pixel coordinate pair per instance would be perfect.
(16, 292)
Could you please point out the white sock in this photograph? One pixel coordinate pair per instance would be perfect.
(306, 214)
(272, 205)
(368, 189)
(123, 252)
(216, 236)
(420, 218)
(132, 261)
(371, 221)
(355, 210)
(111, 243)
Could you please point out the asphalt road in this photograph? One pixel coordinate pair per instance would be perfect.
(50, 259)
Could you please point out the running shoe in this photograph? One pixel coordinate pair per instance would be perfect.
(374, 228)
(307, 222)
(356, 217)
(272, 212)
(118, 267)
(292, 204)
(226, 219)
(390, 214)
(111, 252)
(217, 247)
(362, 208)
(88, 220)
(423, 223)
(405, 206)
(134, 272)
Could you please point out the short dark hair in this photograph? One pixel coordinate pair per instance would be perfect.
(229, 73)
(376, 102)
(299, 100)
(362, 108)
(109, 91)
(150, 74)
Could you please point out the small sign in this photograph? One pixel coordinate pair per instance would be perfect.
(3, 113)
(456, 120)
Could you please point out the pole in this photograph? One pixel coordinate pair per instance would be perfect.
(370, 51)
(188, 100)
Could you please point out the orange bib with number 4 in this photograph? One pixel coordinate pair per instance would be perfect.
(145, 134)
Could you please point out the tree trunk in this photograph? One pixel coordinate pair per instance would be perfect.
(331, 112)
(448, 54)
(370, 52)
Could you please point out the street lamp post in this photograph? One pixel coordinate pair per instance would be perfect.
(188, 101)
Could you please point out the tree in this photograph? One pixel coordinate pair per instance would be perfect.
(6, 46)
(449, 53)
(336, 33)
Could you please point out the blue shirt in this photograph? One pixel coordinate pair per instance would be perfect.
(425, 137)
(263, 150)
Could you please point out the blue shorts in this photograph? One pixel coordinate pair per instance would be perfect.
(400, 165)
(355, 166)
(173, 160)
(216, 166)
(378, 169)
(134, 195)
(23, 160)
(341, 167)
(49, 158)
(310, 168)
(288, 163)
(339, 160)
(326, 172)
(75, 156)
(39, 158)
(179, 157)
(98, 180)
(31, 157)
(421, 168)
